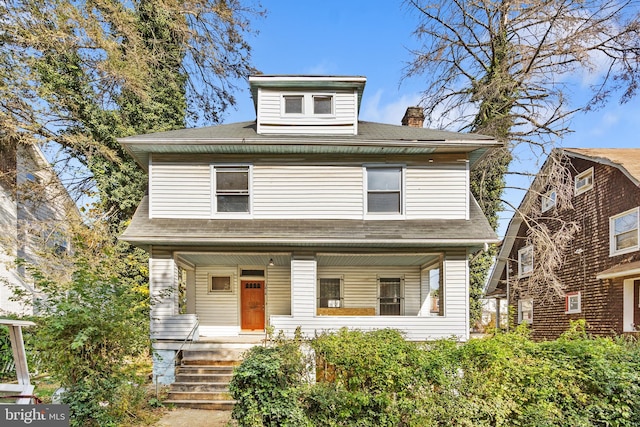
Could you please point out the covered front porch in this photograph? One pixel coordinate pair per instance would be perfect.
(230, 294)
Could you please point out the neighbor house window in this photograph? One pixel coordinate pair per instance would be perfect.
(330, 292)
(322, 104)
(525, 261)
(572, 303)
(232, 189)
(624, 232)
(293, 104)
(390, 296)
(584, 181)
(548, 200)
(525, 311)
(219, 283)
(384, 190)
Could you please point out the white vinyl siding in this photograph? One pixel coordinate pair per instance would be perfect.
(163, 276)
(437, 191)
(272, 120)
(278, 290)
(217, 308)
(454, 323)
(307, 192)
(179, 190)
(303, 297)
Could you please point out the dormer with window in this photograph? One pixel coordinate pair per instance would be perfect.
(307, 104)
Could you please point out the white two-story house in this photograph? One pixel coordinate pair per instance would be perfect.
(309, 218)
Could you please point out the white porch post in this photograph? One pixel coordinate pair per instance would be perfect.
(303, 287)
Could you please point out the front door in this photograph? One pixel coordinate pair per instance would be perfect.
(252, 304)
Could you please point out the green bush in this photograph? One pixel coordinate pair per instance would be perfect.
(379, 379)
(268, 384)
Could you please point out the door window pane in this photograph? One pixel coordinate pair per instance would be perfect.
(390, 296)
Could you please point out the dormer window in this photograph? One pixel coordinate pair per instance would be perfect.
(319, 105)
(322, 104)
(584, 181)
(293, 104)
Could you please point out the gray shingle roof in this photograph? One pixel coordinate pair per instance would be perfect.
(292, 233)
(242, 138)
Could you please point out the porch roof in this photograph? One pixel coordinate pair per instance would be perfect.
(295, 233)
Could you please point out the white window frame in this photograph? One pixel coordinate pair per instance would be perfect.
(522, 270)
(525, 319)
(548, 200)
(612, 236)
(575, 297)
(384, 215)
(210, 289)
(588, 185)
(284, 104)
(214, 195)
(308, 105)
(341, 296)
(391, 276)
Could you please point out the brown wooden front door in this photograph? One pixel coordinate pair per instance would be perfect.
(252, 304)
(636, 303)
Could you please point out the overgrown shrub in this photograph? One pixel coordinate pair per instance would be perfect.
(379, 379)
(268, 386)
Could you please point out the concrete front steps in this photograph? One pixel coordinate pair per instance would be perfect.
(202, 379)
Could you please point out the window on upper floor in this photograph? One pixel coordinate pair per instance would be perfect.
(525, 261)
(330, 292)
(548, 200)
(624, 232)
(308, 105)
(384, 190)
(293, 104)
(583, 181)
(390, 295)
(525, 310)
(572, 303)
(322, 104)
(232, 189)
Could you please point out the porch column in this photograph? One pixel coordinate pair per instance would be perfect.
(303, 287)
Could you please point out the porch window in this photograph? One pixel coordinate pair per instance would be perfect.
(384, 190)
(436, 292)
(330, 293)
(232, 189)
(525, 261)
(624, 232)
(220, 284)
(525, 311)
(390, 299)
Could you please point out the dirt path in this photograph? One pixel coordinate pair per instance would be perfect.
(183, 417)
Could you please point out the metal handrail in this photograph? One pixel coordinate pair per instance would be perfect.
(179, 351)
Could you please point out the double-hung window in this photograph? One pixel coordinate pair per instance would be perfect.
(384, 190)
(390, 296)
(330, 292)
(624, 232)
(232, 189)
(572, 303)
(525, 261)
(548, 200)
(583, 181)
(525, 311)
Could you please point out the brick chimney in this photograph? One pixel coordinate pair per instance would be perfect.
(414, 117)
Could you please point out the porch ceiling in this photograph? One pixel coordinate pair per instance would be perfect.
(262, 259)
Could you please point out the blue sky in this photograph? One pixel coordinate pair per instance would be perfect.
(373, 39)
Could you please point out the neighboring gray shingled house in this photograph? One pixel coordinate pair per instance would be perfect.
(308, 218)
